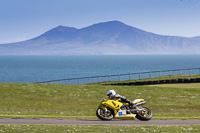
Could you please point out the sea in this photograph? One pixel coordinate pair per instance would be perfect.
(39, 68)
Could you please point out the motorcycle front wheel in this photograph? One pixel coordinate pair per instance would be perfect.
(105, 115)
(145, 114)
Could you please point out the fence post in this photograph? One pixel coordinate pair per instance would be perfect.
(178, 71)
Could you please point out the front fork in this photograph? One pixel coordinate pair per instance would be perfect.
(105, 110)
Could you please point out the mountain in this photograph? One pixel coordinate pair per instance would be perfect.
(111, 37)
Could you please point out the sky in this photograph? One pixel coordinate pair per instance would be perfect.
(25, 19)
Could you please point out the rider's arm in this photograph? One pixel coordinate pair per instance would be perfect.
(124, 99)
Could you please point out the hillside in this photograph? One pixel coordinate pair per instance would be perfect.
(111, 37)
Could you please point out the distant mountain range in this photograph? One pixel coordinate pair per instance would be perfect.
(106, 38)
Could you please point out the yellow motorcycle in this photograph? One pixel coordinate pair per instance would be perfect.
(114, 109)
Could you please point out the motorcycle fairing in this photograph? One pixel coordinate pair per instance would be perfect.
(115, 105)
(121, 114)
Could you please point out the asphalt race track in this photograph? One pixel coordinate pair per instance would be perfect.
(19, 121)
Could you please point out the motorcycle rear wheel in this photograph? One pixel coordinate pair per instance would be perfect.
(106, 116)
(144, 115)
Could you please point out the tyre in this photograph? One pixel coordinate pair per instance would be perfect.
(144, 115)
(105, 115)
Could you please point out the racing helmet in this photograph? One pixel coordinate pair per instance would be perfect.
(111, 93)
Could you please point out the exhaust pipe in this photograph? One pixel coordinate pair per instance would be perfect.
(137, 109)
(141, 103)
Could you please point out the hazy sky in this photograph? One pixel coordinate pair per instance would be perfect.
(26, 19)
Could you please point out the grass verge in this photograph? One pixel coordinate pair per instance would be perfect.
(167, 101)
(96, 128)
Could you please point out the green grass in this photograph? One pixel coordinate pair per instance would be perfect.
(167, 101)
(96, 129)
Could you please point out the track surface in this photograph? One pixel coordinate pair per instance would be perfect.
(17, 121)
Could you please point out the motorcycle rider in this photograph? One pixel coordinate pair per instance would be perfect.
(113, 96)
